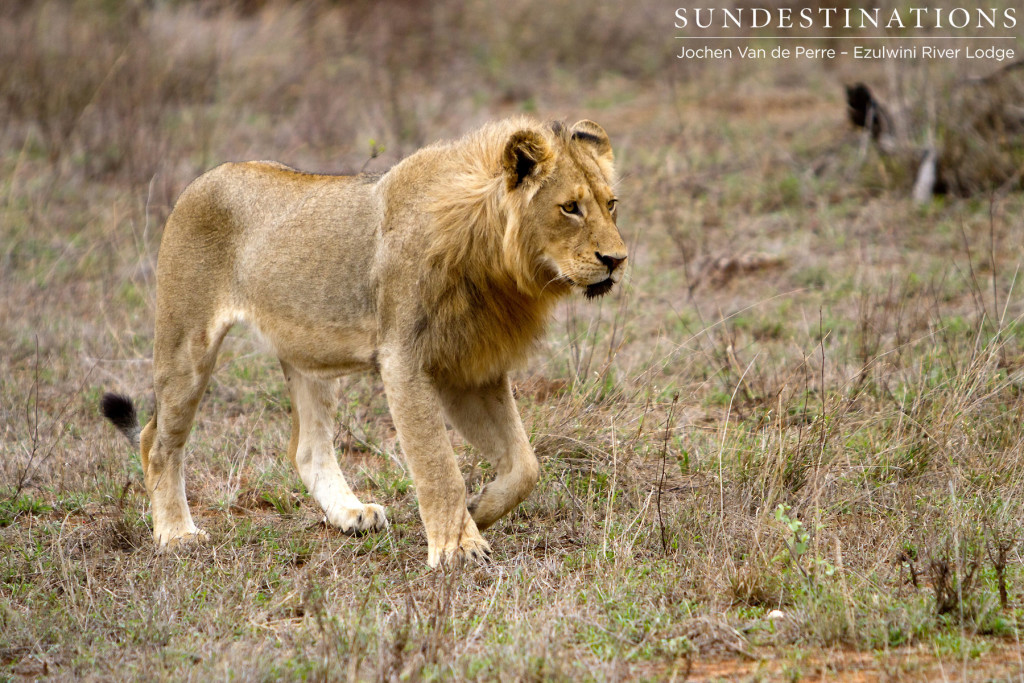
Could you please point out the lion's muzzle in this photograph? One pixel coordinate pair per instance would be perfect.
(610, 262)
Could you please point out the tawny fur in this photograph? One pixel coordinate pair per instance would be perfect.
(439, 273)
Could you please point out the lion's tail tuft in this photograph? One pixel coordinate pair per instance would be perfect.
(120, 410)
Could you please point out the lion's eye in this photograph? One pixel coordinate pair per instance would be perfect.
(571, 208)
(612, 204)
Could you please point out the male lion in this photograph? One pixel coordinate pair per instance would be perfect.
(439, 273)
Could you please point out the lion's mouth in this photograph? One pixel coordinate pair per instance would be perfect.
(598, 288)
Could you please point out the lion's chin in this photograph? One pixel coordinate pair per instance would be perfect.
(598, 289)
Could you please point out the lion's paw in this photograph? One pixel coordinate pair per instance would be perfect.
(469, 548)
(358, 519)
(171, 541)
(483, 515)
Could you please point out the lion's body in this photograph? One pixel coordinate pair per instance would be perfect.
(440, 274)
(252, 242)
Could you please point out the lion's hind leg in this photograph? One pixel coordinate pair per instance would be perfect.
(183, 358)
(487, 417)
(312, 451)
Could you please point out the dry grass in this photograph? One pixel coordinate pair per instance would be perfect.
(807, 397)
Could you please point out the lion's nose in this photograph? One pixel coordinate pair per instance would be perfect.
(611, 262)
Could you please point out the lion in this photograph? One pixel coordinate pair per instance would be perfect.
(439, 274)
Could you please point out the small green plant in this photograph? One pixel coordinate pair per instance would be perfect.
(283, 501)
(376, 149)
(12, 508)
(798, 538)
(798, 541)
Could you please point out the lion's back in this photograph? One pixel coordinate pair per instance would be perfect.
(273, 241)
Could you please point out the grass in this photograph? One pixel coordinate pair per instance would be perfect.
(806, 399)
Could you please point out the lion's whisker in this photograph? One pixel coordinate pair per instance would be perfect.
(558, 278)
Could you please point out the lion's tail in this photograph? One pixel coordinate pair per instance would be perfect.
(120, 410)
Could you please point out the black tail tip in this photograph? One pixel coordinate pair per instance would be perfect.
(120, 410)
(859, 100)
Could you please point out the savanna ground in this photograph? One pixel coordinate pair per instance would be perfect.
(807, 397)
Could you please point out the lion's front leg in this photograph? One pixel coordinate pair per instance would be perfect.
(487, 417)
(452, 535)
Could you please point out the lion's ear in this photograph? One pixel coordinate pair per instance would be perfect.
(589, 133)
(526, 158)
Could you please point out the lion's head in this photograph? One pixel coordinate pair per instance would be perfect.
(562, 208)
(528, 215)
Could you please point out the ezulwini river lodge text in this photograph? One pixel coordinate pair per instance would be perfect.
(856, 51)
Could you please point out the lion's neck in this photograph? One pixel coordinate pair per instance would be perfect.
(481, 330)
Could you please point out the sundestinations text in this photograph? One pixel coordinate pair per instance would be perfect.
(846, 18)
